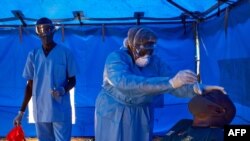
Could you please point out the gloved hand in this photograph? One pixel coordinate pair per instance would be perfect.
(59, 91)
(17, 120)
(183, 77)
(200, 88)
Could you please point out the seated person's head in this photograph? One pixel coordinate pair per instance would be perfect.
(212, 109)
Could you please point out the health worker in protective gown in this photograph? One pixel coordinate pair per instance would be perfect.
(50, 71)
(133, 79)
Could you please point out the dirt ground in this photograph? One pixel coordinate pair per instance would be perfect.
(72, 139)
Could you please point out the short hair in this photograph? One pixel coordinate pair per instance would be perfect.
(44, 20)
(212, 107)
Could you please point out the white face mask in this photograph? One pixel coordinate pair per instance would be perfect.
(142, 61)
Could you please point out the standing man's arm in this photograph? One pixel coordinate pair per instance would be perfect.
(27, 97)
(60, 91)
(28, 94)
(71, 83)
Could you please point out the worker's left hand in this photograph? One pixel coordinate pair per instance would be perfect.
(59, 91)
(17, 120)
(200, 88)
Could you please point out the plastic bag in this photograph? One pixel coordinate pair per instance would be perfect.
(16, 134)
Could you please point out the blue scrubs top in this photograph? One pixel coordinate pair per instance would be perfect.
(124, 107)
(48, 72)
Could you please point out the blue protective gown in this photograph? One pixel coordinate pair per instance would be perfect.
(124, 106)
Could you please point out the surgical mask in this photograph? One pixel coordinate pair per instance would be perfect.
(142, 61)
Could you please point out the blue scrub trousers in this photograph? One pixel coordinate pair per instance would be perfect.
(54, 131)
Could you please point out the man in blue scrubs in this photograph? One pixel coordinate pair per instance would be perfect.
(133, 79)
(50, 72)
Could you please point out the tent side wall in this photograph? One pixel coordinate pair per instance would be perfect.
(225, 56)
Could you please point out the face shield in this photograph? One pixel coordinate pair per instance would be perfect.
(141, 45)
(44, 30)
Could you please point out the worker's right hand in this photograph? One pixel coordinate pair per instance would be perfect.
(183, 77)
(59, 91)
(17, 120)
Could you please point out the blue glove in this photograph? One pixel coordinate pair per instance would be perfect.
(200, 88)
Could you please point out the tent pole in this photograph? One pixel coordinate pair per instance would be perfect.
(197, 51)
(100, 24)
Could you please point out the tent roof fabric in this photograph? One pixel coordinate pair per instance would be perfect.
(19, 12)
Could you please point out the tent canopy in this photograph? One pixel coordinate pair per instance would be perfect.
(18, 12)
